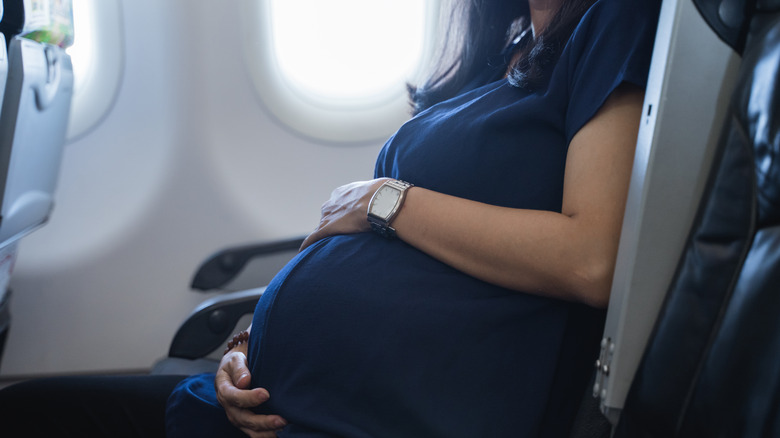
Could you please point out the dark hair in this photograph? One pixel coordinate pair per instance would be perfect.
(479, 30)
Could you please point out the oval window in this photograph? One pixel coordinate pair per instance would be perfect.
(97, 57)
(337, 70)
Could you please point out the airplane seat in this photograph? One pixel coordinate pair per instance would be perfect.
(711, 365)
(36, 95)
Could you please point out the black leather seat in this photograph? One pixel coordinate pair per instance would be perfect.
(712, 366)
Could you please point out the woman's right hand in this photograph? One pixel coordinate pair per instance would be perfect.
(232, 383)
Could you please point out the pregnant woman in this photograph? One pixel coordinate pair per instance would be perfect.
(461, 292)
(473, 309)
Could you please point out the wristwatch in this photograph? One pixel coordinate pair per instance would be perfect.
(384, 206)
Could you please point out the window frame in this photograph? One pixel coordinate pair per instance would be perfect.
(345, 122)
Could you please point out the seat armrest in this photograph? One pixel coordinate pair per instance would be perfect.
(222, 267)
(211, 323)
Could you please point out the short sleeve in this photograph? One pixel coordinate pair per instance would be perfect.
(612, 44)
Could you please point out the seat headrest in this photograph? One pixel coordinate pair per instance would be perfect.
(13, 18)
(729, 19)
(758, 105)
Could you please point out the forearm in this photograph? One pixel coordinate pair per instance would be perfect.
(526, 250)
(569, 255)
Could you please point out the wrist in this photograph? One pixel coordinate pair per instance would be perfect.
(385, 204)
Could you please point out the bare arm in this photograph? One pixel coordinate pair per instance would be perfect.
(570, 255)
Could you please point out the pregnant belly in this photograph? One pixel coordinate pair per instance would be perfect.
(359, 332)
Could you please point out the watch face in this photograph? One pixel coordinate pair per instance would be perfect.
(384, 201)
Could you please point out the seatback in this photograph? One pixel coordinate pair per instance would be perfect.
(36, 85)
(712, 366)
(33, 122)
(691, 76)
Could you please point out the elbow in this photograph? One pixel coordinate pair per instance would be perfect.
(592, 281)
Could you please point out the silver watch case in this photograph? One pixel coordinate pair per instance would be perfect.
(384, 206)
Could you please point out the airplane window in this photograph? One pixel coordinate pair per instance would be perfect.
(81, 51)
(337, 70)
(97, 62)
(347, 49)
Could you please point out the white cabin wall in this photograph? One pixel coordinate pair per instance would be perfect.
(187, 161)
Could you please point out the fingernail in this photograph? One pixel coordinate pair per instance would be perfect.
(279, 423)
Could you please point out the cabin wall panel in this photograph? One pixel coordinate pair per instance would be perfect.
(188, 161)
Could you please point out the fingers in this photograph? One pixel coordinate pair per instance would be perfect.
(231, 383)
(230, 396)
(239, 372)
(255, 425)
(253, 434)
(345, 211)
(258, 425)
(311, 238)
(320, 233)
(237, 402)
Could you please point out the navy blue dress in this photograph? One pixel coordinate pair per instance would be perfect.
(360, 336)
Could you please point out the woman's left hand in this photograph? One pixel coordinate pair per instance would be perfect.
(234, 394)
(345, 212)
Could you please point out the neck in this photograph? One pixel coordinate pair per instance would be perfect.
(542, 12)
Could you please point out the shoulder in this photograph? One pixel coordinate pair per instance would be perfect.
(619, 17)
(615, 29)
(624, 8)
(612, 44)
